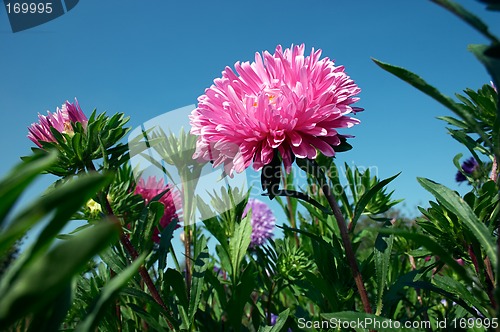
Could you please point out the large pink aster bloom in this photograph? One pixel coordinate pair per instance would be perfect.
(284, 101)
(60, 120)
(171, 200)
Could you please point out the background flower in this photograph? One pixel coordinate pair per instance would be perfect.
(60, 120)
(284, 101)
(263, 221)
(171, 200)
(469, 166)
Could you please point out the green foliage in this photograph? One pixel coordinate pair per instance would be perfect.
(341, 229)
(42, 275)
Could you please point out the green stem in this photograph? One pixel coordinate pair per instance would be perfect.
(133, 252)
(291, 213)
(351, 259)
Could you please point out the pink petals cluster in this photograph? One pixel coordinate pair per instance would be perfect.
(284, 101)
(60, 120)
(171, 200)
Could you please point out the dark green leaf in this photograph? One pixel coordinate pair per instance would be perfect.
(367, 196)
(382, 255)
(458, 206)
(468, 17)
(238, 245)
(107, 295)
(280, 322)
(431, 91)
(41, 280)
(14, 183)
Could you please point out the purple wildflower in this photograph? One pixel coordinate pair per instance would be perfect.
(263, 221)
(469, 167)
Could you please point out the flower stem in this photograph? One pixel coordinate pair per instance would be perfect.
(187, 253)
(133, 252)
(291, 213)
(348, 247)
(118, 311)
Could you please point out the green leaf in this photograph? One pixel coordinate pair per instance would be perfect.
(382, 256)
(453, 202)
(151, 321)
(43, 279)
(238, 245)
(50, 319)
(490, 57)
(367, 196)
(14, 183)
(160, 255)
(280, 322)
(468, 17)
(454, 122)
(108, 294)
(431, 245)
(460, 291)
(176, 281)
(417, 82)
(301, 196)
(241, 296)
(73, 193)
(200, 266)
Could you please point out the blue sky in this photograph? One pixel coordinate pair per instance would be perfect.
(147, 58)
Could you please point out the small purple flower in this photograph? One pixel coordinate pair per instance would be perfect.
(469, 167)
(60, 120)
(263, 221)
(274, 317)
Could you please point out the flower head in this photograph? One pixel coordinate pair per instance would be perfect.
(283, 101)
(171, 199)
(60, 120)
(469, 167)
(262, 221)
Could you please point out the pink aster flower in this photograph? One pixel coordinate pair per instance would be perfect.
(60, 120)
(284, 101)
(171, 200)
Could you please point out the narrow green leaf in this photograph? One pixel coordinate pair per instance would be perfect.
(468, 17)
(176, 281)
(301, 196)
(453, 202)
(107, 295)
(151, 321)
(238, 245)
(14, 183)
(417, 82)
(460, 291)
(490, 57)
(280, 322)
(431, 245)
(454, 122)
(382, 256)
(50, 319)
(42, 279)
(74, 194)
(367, 196)
(200, 266)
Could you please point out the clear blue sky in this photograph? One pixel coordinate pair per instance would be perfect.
(145, 58)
